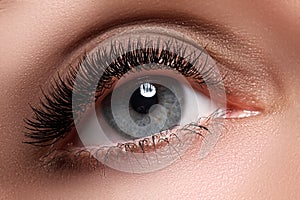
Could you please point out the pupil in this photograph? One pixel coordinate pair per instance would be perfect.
(143, 98)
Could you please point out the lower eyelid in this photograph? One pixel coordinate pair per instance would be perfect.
(168, 144)
(75, 156)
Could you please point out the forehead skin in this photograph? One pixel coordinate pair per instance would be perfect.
(258, 158)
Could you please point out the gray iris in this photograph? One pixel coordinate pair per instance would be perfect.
(152, 108)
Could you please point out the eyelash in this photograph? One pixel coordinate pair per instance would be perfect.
(53, 120)
(87, 158)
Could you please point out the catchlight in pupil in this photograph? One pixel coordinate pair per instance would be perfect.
(147, 90)
(144, 98)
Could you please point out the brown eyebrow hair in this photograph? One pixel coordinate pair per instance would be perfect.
(4, 4)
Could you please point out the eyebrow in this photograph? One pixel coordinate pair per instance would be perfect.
(4, 4)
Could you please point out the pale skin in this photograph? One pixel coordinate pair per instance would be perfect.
(257, 158)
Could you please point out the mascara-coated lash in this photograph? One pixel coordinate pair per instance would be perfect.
(53, 119)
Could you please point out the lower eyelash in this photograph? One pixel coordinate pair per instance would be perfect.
(143, 152)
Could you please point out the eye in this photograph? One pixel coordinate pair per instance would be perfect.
(135, 103)
(149, 105)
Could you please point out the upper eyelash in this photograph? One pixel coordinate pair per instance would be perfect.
(53, 119)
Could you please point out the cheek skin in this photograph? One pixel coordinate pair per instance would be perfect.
(245, 163)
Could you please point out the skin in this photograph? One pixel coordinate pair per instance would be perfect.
(257, 158)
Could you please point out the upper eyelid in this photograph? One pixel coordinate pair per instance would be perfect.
(208, 33)
(202, 31)
(230, 50)
(226, 47)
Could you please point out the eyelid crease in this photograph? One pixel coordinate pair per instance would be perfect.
(238, 56)
(202, 31)
(234, 58)
(235, 50)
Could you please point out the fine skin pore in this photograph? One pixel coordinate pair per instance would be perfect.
(257, 158)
